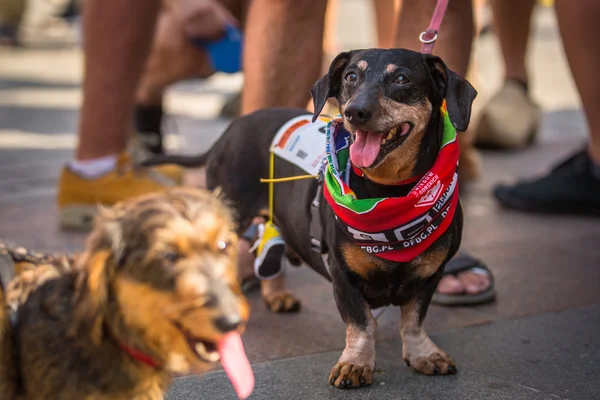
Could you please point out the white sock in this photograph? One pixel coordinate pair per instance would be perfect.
(94, 167)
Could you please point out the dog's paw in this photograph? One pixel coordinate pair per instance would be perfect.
(282, 302)
(433, 364)
(349, 376)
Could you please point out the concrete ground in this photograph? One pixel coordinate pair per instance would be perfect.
(539, 340)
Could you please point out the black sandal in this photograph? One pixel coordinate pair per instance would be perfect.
(461, 263)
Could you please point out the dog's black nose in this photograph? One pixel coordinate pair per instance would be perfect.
(357, 114)
(227, 323)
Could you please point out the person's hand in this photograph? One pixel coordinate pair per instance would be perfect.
(205, 19)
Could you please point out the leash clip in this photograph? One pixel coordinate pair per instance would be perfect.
(434, 27)
(427, 41)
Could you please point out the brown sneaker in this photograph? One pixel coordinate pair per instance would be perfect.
(79, 198)
(510, 120)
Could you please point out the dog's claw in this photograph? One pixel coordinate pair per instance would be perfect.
(434, 364)
(347, 376)
(283, 302)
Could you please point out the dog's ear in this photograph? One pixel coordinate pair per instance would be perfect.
(98, 263)
(329, 84)
(457, 91)
(92, 292)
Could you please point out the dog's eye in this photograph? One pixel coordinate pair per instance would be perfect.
(222, 245)
(172, 256)
(401, 79)
(351, 77)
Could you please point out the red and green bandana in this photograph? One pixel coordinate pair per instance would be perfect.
(394, 228)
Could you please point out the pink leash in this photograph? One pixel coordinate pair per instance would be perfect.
(430, 35)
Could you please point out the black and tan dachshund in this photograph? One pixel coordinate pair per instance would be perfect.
(393, 106)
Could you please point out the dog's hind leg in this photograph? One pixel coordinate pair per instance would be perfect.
(277, 297)
(418, 350)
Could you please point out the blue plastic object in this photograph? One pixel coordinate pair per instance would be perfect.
(225, 54)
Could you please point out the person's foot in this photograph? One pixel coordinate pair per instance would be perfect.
(572, 187)
(471, 282)
(79, 196)
(466, 281)
(510, 120)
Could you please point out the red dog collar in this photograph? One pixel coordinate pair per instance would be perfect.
(139, 356)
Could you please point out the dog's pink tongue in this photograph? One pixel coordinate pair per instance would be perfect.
(365, 148)
(236, 365)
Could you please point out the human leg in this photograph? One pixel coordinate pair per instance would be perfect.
(117, 37)
(282, 58)
(386, 12)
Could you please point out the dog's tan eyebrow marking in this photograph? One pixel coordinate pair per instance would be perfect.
(390, 68)
(362, 64)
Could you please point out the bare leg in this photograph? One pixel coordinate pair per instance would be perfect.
(331, 44)
(386, 12)
(577, 21)
(118, 35)
(479, 7)
(282, 58)
(456, 33)
(512, 21)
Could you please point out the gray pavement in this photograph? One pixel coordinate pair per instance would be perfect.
(551, 356)
(529, 344)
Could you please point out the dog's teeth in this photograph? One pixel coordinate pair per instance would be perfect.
(384, 141)
(212, 356)
(391, 133)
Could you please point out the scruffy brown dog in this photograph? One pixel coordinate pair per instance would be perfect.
(154, 293)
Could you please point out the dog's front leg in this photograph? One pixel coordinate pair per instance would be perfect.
(418, 350)
(357, 363)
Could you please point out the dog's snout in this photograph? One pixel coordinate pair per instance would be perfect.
(227, 323)
(357, 113)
